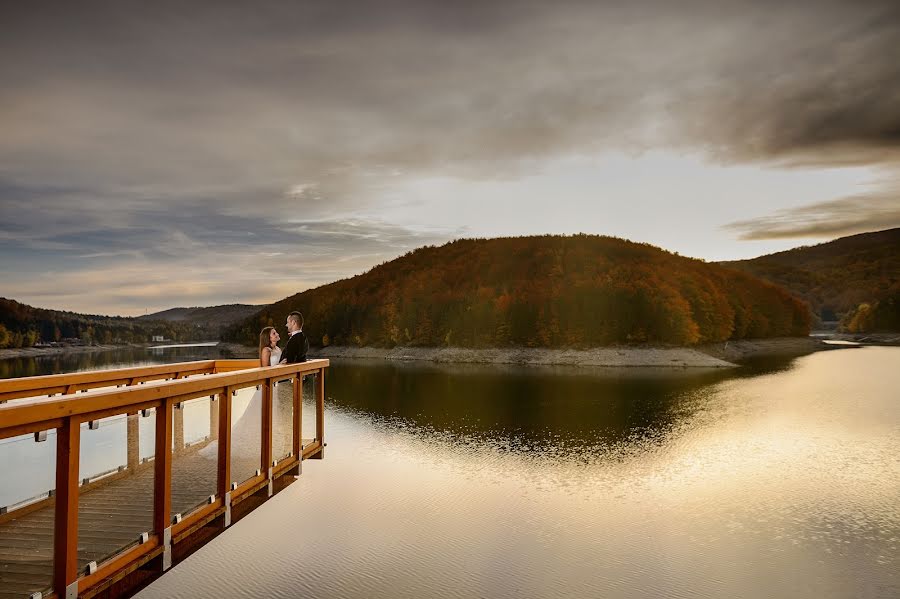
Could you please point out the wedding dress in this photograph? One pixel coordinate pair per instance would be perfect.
(246, 432)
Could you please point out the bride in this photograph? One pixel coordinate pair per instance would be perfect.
(246, 432)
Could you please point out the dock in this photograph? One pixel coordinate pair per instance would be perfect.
(113, 532)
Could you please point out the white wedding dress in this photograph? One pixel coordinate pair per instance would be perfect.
(246, 431)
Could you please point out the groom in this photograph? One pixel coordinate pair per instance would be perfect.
(298, 344)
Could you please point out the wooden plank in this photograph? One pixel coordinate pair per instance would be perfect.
(65, 535)
(28, 428)
(118, 563)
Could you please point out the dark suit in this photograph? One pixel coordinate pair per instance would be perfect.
(296, 348)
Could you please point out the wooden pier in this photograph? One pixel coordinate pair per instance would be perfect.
(112, 534)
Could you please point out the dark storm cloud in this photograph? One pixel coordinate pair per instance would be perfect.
(215, 95)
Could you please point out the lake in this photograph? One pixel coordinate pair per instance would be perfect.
(779, 479)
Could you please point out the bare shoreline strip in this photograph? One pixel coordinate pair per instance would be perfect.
(614, 357)
(717, 355)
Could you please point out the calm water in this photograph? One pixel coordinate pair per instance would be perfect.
(779, 480)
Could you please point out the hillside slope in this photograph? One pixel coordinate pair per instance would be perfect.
(839, 276)
(547, 291)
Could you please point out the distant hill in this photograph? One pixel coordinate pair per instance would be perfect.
(839, 277)
(22, 325)
(547, 291)
(225, 314)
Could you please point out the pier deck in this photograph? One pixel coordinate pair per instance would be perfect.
(85, 539)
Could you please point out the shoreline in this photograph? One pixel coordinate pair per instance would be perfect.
(612, 357)
(715, 355)
(718, 355)
(34, 352)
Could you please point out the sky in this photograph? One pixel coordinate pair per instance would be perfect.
(166, 154)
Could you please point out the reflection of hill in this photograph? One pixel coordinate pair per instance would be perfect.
(548, 291)
(565, 408)
(836, 277)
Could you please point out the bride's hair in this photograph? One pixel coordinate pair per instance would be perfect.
(264, 340)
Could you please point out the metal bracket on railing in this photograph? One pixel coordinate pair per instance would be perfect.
(167, 548)
(91, 568)
(93, 424)
(234, 486)
(271, 481)
(258, 472)
(72, 590)
(38, 595)
(178, 406)
(213, 397)
(212, 499)
(40, 436)
(143, 538)
(176, 519)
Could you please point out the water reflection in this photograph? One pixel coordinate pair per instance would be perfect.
(103, 360)
(530, 408)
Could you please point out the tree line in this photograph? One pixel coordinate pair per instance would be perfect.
(23, 326)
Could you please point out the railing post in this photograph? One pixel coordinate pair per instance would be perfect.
(162, 481)
(320, 412)
(133, 441)
(65, 533)
(266, 449)
(223, 476)
(297, 423)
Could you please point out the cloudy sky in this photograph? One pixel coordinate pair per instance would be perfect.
(196, 153)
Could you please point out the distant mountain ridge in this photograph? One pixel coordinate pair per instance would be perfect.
(542, 291)
(227, 313)
(840, 277)
(22, 325)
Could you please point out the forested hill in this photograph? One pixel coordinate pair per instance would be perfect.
(855, 279)
(548, 291)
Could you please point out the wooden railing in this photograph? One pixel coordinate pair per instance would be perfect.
(83, 381)
(159, 387)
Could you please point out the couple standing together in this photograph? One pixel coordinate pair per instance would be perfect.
(246, 429)
(295, 350)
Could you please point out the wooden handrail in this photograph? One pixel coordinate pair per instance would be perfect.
(66, 413)
(52, 384)
(96, 403)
